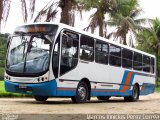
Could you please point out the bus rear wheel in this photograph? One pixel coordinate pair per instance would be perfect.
(135, 95)
(103, 97)
(41, 98)
(81, 93)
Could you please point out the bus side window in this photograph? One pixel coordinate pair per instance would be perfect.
(137, 61)
(127, 58)
(101, 52)
(55, 59)
(152, 65)
(115, 55)
(146, 63)
(87, 48)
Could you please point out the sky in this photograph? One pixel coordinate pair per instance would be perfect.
(150, 10)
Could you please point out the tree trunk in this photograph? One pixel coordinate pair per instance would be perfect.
(101, 30)
(101, 24)
(124, 40)
(66, 11)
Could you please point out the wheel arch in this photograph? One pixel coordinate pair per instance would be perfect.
(86, 80)
(136, 84)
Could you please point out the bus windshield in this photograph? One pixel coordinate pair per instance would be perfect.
(29, 54)
(30, 48)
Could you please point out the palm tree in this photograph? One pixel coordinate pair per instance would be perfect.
(28, 14)
(50, 10)
(98, 18)
(4, 11)
(68, 8)
(125, 20)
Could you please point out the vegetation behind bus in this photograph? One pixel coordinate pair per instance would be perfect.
(3, 93)
(149, 41)
(3, 41)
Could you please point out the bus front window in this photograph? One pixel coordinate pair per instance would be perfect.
(29, 54)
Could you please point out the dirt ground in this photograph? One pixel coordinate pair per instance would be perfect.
(146, 105)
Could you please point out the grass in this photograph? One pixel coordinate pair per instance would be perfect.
(3, 93)
(158, 87)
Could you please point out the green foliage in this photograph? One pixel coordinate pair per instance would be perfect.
(125, 7)
(125, 20)
(3, 42)
(149, 40)
(1, 73)
(156, 26)
(145, 40)
(157, 89)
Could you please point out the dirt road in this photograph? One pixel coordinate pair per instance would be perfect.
(147, 104)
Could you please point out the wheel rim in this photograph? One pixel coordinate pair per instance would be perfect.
(135, 92)
(82, 92)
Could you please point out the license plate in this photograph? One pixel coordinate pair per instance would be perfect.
(22, 86)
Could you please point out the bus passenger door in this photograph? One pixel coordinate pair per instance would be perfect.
(69, 52)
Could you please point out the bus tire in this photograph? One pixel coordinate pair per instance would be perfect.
(41, 98)
(103, 97)
(81, 93)
(135, 95)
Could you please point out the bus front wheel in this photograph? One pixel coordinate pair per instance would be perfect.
(135, 95)
(81, 93)
(40, 98)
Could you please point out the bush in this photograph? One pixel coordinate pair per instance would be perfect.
(3, 93)
(3, 49)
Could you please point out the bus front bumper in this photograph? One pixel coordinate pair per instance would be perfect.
(41, 89)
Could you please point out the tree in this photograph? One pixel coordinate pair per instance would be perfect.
(4, 11)
(3, 51)
(125, 20)
(50, 10)
(68, 8)
(28, 12)
(149, 40)
(98, 18)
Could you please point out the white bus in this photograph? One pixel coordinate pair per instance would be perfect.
(56, 60)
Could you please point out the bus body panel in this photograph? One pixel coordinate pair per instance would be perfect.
(67, 86)
(41, 89)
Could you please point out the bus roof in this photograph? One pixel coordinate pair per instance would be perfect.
(64, 26)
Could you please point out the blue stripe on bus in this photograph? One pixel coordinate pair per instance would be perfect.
(65, 93)
(105, 93)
